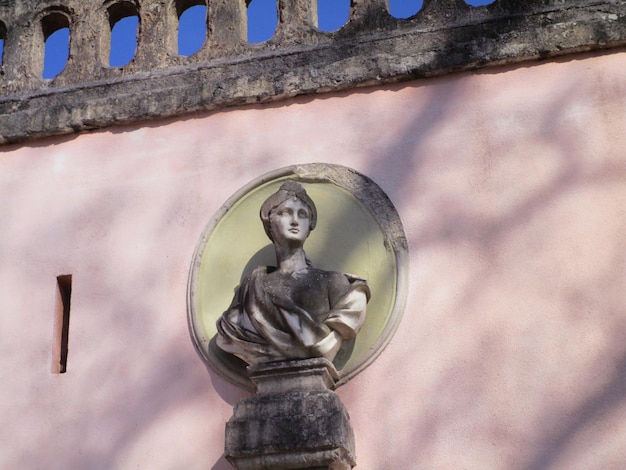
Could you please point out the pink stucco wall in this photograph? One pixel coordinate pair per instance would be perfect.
(511, 184)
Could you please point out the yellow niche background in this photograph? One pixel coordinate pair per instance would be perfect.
(347, 239)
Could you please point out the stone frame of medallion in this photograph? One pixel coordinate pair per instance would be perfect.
(359, 231)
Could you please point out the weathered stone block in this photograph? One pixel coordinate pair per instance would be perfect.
(296, 423)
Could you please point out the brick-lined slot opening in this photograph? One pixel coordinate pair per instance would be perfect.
(332, 14)
(61, 324)
(56, 35)
(192, 26)
(262, 20)
(124, 24)
(404, 8)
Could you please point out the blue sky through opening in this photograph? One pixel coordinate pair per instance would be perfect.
(192, 30)
(123, 41)
(56, 53)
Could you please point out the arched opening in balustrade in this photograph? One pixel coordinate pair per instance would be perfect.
(3, 37)
(124, 23)
(55, 27)
(332, 14)
(192, 25)
(403, 9)
(262, 20)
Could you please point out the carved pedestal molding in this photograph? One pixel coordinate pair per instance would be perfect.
(295, 420)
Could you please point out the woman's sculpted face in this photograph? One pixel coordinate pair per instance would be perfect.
(290, 222)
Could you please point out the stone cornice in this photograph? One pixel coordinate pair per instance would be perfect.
(372, 48)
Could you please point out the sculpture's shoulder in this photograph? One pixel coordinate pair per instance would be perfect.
(326, 275)
(329, 278)
(340, 284)
(261, 271)
(258, 274)
(354, 279)
(360, 284)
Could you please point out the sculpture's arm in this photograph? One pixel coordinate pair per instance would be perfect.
(349, 296)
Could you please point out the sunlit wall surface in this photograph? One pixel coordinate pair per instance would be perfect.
(511, 188)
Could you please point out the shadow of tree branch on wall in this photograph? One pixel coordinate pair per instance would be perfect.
(466, 384)
(596, 407)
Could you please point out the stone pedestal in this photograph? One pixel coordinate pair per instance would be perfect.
(295, 420)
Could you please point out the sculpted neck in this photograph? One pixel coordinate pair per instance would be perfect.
(290, 259)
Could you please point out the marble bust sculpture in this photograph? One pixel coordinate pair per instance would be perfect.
(293, 310)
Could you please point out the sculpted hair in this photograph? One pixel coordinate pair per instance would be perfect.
(288, 190)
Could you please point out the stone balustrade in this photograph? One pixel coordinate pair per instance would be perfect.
(372, 47)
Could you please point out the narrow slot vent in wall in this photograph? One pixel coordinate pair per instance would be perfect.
(61, 324)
